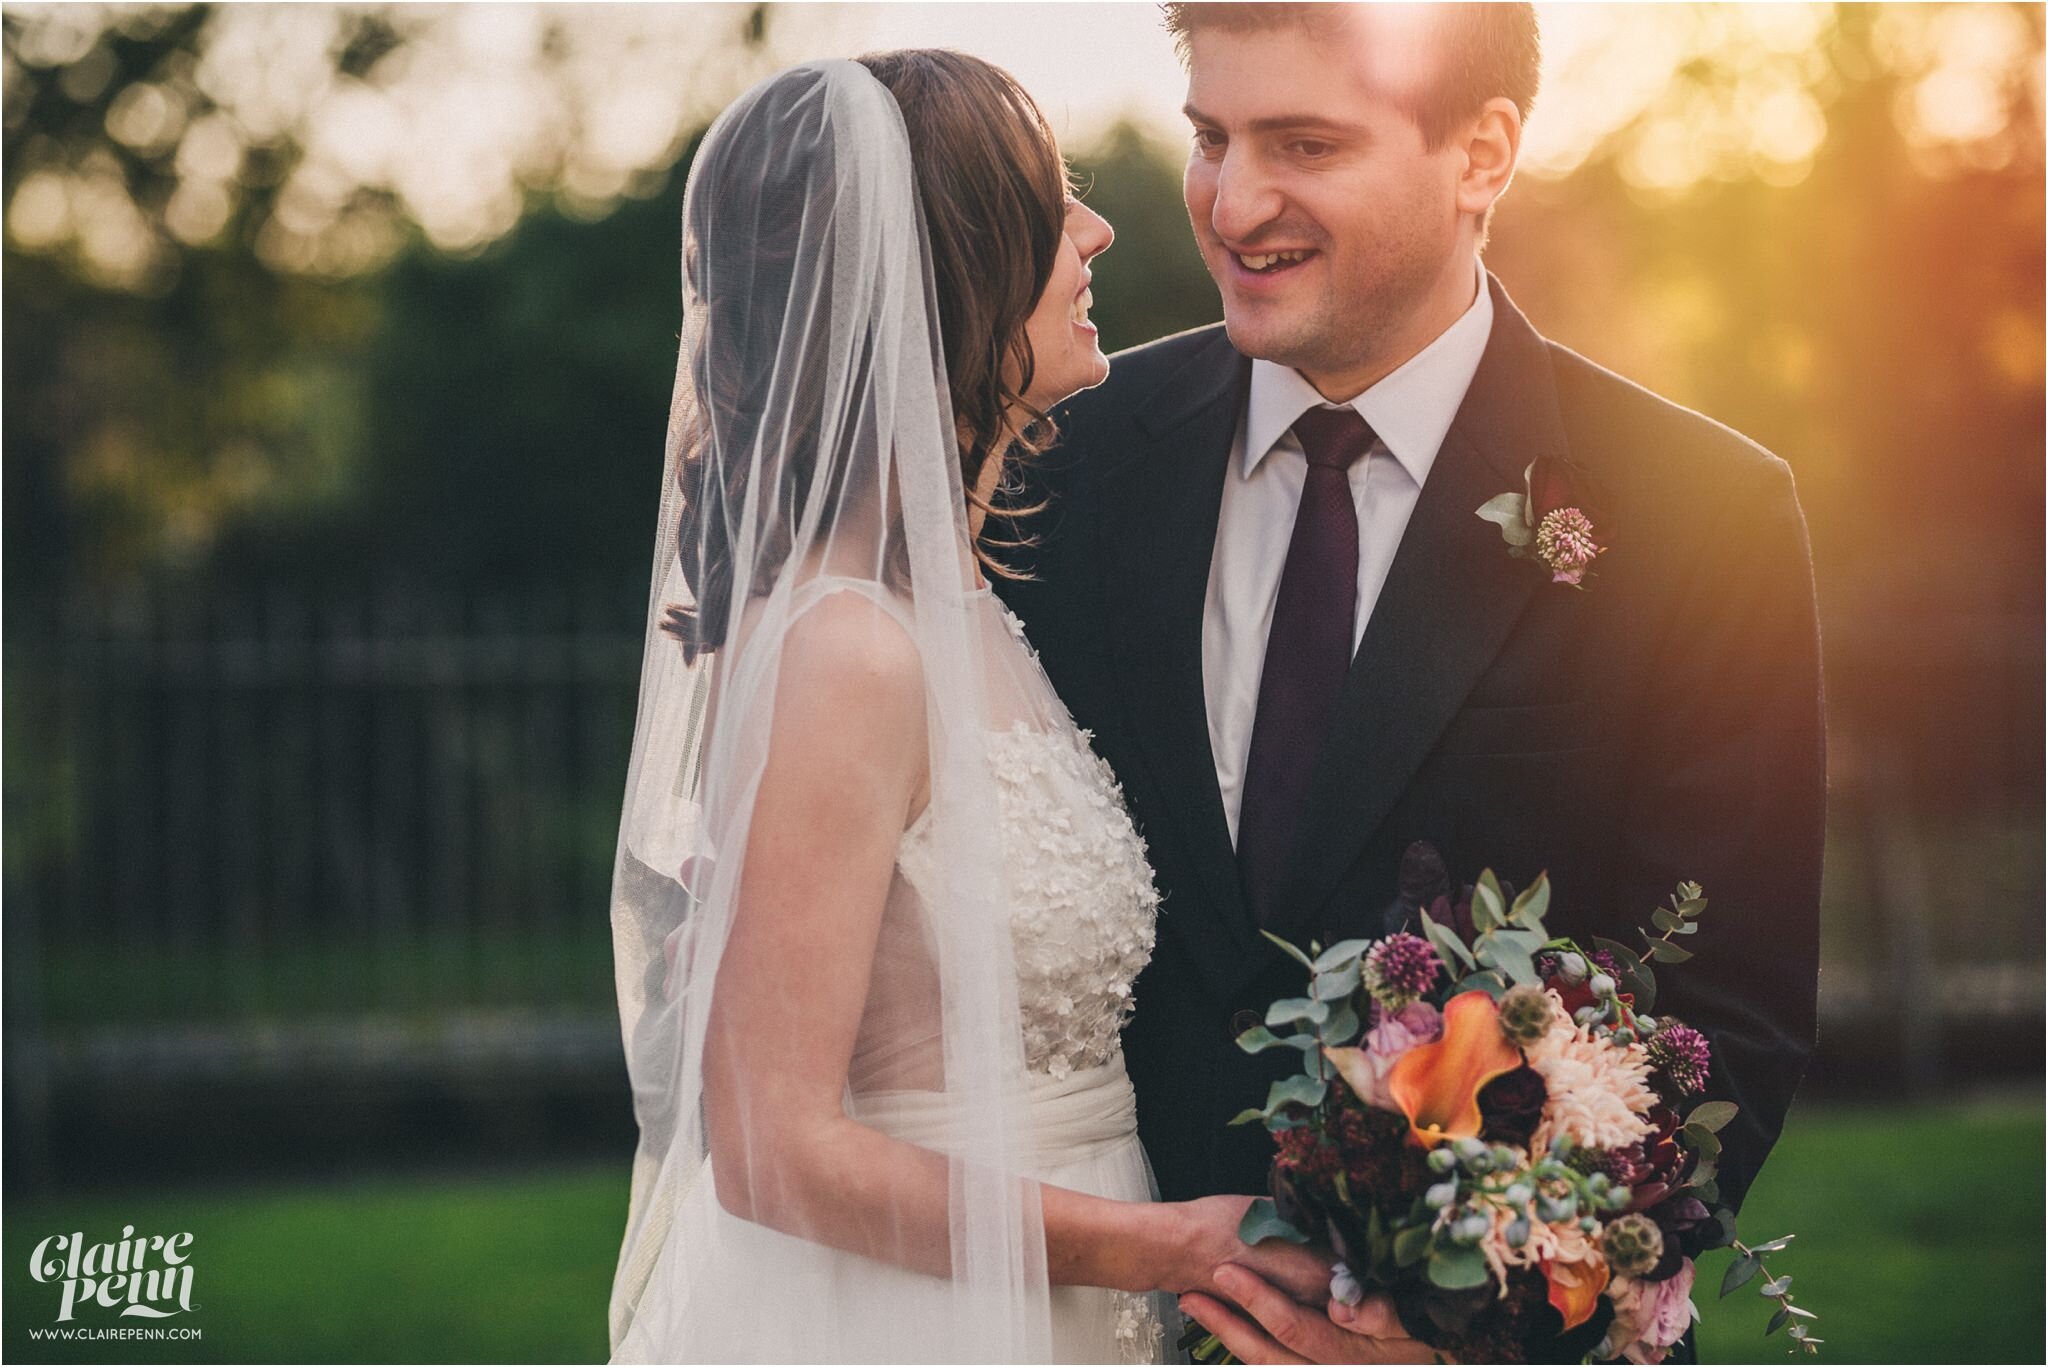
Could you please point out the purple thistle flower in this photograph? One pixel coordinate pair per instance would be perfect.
(1681, 1054)
(1604, 961)
(1399, 969)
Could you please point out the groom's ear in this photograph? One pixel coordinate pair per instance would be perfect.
(1489, 145)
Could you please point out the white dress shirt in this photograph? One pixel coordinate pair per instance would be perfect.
(1410, 410)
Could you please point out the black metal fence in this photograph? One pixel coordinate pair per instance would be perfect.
(262, 835)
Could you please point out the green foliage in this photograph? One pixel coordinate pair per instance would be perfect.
(1457, 1268)
(315, 1272)
(1262, 1221)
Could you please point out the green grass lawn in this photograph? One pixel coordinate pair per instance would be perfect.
(1920, 1240)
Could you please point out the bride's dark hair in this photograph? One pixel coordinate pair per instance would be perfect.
(992, 190)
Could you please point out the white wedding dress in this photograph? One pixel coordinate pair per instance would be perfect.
(1081, 918)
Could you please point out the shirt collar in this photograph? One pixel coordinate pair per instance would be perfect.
(1410, 409)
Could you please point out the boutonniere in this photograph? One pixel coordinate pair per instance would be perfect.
(1551, 521)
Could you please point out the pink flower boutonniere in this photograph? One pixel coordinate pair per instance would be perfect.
(1550, 521)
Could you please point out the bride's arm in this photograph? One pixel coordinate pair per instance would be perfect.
(844, 771)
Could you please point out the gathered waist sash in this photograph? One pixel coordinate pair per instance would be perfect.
(1083, 1115)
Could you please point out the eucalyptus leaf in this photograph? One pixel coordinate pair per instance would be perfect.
(1636, 978)
(1778, 1321)
(1664, 952)
(1290, 1009)
(1740, 1272)
(1702, 1141)
(1489, 982)
(1776, 1245)
(1667, 921)
(1338, 953)
(1489, 907)
(1723, 1232)
(1258, 1039)
(1246, 1117)
(1775, 1288)
(1509, 959)
(1512, 951)
(1376, 1239)
(1343, 1025)
(1305, 1091)
(1691, 907)
(1334, 983)
(1411, 1246)
(1291, 951)
(1524, 938)
(1703, 1174)
(1458, 1269)
(1510, 513)
(1530, 907)
(1262, 1221)
(1713, 1115)
(1802, 1312)
(1449, 947)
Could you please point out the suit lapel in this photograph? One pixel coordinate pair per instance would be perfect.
(1159, 534)
(1451, 597)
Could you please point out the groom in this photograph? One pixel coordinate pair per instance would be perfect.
(1262, 581)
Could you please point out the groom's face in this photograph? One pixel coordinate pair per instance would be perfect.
(1323, 217)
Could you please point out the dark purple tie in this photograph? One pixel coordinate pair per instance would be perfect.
(1307, 654)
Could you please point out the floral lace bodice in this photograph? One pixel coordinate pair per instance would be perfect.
(1082, 904)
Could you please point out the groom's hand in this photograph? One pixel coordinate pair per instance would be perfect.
(1275, 1328)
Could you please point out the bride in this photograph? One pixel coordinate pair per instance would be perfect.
(877, 907)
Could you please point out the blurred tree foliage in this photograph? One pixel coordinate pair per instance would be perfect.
(493, 415)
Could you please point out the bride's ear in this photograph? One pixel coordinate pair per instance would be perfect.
(1490, 144)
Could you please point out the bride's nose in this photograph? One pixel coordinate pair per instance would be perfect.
(1091, 231)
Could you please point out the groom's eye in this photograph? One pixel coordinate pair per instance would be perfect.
(1208, 140)
(1312, 148)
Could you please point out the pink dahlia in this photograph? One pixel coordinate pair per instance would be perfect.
(1649, 1317)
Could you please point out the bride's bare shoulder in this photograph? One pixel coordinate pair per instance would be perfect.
(852, 647)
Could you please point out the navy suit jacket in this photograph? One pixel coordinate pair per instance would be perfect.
(1663, 724)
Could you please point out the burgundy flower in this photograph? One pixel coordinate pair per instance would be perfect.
(1655, 1165)
(1557, 482)
(1424, 877)
(1454, 916)
(1511, 1106)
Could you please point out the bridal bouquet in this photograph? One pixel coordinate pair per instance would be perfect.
(1491, 1126)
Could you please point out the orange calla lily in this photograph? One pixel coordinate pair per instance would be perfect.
(1437, 1085)
(1575, 1289)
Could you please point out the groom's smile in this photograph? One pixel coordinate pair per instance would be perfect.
(1338, 233)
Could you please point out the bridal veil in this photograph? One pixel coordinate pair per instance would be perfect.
(811, 456)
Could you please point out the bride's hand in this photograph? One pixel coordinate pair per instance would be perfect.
(1207, 1239)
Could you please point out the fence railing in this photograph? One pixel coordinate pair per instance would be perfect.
(247, 808)
(236, 820)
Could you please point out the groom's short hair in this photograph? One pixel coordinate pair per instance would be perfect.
(1483, 50)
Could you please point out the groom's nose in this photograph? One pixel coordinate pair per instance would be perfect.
(1246, 198)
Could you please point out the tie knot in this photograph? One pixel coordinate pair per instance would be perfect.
(1333, 437)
